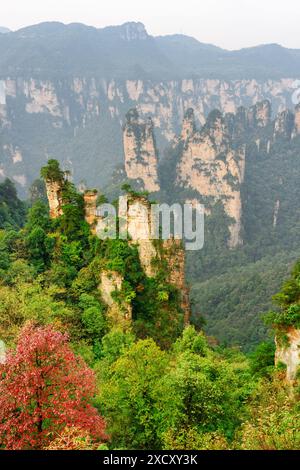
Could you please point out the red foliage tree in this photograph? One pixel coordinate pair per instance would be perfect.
(44, 387)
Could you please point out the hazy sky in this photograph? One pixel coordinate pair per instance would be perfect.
(227, 23)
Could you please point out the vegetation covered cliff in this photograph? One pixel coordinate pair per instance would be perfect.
(149, 383)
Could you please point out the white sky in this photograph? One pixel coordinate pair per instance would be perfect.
(231, 24)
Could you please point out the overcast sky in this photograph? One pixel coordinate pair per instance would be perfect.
(231, 24)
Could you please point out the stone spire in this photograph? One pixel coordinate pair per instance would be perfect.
(141, 159)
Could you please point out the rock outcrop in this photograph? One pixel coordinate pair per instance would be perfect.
(54, 194)
(289, 353)
(140, 151)
(136, 213)
(138, 224)
(90, 207)
(212, 167)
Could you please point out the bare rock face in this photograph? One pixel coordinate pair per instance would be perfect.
(54, 194)
(215, 170)
(136, 211)
(140, 151)
(284, 124)
(141, 226)
(90, 206)
(73, 104)
(289, 354)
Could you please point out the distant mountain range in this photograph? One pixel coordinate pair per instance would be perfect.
(128, 51)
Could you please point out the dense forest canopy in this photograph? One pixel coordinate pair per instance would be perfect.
(153, 385)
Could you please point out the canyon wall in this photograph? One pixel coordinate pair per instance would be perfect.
(79, 120)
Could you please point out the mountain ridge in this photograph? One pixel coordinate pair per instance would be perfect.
(128, 51)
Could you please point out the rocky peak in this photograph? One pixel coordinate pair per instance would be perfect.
(54, 195)
(141, 159)
(133, 31)
(211, 166)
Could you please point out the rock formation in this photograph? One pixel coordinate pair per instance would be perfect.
(137, 222)
(213, 168)
(79, 110)
(136, 213)
(90, 206)
(289, 354)
(140, 151)
(54, 194)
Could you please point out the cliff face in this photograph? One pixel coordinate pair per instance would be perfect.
(136, 220)
(59, 117)
(140, 151)
(136, 212)
(289, 354)
(211, 166)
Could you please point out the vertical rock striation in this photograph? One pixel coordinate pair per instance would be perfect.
(140, 152)
(211, 166)
(54, 194)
